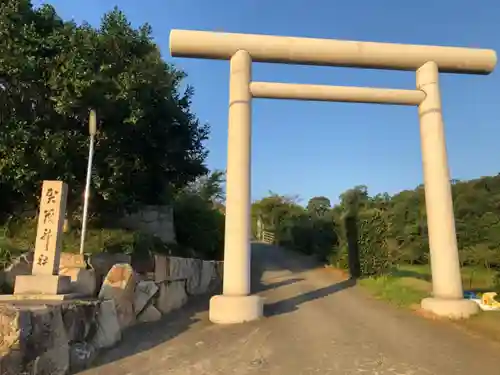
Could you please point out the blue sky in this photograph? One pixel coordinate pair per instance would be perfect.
(310, 148)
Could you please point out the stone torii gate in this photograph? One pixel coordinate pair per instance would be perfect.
(236, 304)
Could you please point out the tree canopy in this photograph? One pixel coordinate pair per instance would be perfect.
(318, 206)
(387, 230)
(52, 72)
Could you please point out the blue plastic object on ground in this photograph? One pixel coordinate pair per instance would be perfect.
(470, 295)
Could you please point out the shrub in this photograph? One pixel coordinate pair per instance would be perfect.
(199, 226)
(309, 234)
(374, 254)
(340, 258)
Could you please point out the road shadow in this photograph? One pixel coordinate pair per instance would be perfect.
(291, 304)
(261, 287)
(145, 336)
(271, 258)
(267, 257)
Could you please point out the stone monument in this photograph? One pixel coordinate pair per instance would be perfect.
(45, 282)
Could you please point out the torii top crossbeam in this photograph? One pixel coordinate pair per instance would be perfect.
(330, 52)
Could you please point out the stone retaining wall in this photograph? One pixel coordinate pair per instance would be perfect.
(155, 220)
(39, 338)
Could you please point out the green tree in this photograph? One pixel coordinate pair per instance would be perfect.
(199, 223)
(149, 143)
(209, 187)
(373, 233)
(354, 199)
(319, 206)
(296, 227)
(274, 210)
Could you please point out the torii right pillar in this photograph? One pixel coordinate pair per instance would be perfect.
(447, 299)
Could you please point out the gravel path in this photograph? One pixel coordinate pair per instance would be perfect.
(315, 324)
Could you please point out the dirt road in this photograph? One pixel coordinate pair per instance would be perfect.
(315, 324)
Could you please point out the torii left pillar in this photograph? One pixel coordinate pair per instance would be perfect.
(236, 305)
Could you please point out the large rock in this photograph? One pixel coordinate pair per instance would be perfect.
(149, 314)
(83, 282)
(108, 331)
(182, 268)
(2, 277)
(81, 355)
(216, 282)
(172, 296)
(219, 269)
(144, 292)
(11, 363)
(143, 264)
(162, 268)
(34, 339)
(12, 323)
(101, 263)
(71, 260)
(208, 274)
(55, 338)
(119, 286)
(21, 265)
(55, 360)
(194, 278)
(79, 318)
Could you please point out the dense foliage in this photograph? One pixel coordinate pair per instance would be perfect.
(199, 221)
(149, 143)
(311, 230)
(374, 233)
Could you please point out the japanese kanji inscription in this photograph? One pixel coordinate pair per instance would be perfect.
(50, 228)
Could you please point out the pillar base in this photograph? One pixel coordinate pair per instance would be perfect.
(235, 309)
(450, 308)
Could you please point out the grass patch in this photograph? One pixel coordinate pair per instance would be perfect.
(473, 278)
(394, 289)
(406, 285)
(18, 237)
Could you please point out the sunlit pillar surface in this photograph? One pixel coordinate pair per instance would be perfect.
(236, 305)
(446, 279)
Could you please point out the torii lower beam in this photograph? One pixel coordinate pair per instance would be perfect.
(236, 305)
(322, 93)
